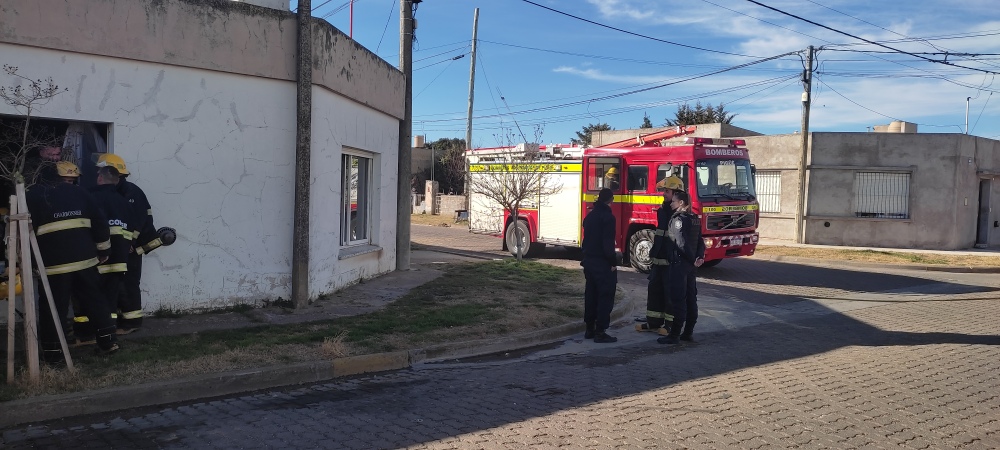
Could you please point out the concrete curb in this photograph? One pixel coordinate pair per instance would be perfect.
(51, 407)
(924, 267)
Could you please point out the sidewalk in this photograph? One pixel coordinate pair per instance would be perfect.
(986, 252)
(355, 300)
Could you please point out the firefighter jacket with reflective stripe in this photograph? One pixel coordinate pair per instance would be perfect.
(659, 253)
(72, 231)
(144, 237)
(684, 232)
(116, 209)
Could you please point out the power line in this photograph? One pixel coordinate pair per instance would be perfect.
(634, 33)
(876, 112)
(863, 39)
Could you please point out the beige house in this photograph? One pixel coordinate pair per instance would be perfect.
(896, 188)
(199, 98)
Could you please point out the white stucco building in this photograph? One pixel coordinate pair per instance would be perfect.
(199, 98)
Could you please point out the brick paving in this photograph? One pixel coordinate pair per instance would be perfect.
(910, 374)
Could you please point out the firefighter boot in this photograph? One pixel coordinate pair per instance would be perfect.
(688, 331)
(591, 330)
(107, 342)
(604, 338)
(675, 330)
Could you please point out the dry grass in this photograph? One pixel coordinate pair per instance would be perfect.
(441, 220)
(875, 256)
(334, 347)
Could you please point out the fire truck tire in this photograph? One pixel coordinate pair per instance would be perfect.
(639, 245)
(712, 263)
(533, 248)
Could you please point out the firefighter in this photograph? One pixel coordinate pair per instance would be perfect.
(658, 307)
(73, 238)
(611, 179)
(119, 215)
(600, 261)
(144, 240)
(686, 253)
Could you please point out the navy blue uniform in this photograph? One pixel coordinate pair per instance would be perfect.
(659, 311)
(121, 223)
(72, 235)
(144, 240)
(684, 234)
(599, 258)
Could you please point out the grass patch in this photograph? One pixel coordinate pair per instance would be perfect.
(470, 301)
(440, 220)
(879, 256)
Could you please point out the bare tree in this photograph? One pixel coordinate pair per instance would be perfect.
(512, 178)
(18, 136)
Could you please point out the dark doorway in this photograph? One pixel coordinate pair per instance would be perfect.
(983, 224)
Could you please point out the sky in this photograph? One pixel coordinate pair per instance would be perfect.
(542, 74)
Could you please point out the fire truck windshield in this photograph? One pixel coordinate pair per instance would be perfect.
(725, 179)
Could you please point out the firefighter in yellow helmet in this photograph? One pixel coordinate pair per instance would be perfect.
(611, 179)
(73, 238)
(144, 240)
(658, 307)
(121, 221)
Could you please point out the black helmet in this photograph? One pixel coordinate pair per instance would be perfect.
(167, 235)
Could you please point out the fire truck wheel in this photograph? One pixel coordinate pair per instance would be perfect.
(711, 263)
(532, 248)
(639, 245)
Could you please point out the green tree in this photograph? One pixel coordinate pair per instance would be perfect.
(686, 115)
(449, 164)
(584, 137)
(646, 123)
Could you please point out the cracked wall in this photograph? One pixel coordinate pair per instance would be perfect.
(214, 149)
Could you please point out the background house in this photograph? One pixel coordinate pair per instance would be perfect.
(892, 188)
(199, 98)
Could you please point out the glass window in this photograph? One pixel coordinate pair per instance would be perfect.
(356, 199)
(882, 195)
(725, 178)
(604, 173)
(638, 178)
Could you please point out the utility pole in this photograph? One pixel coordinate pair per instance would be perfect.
(804, 152)
(404, 199)
(303, 137)
(472, 94)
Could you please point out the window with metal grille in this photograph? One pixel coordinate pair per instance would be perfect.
(768, 183)
(882, 195)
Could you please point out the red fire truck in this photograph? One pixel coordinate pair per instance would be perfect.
(717, 173)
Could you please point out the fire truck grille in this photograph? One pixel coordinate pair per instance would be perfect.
(731, 221)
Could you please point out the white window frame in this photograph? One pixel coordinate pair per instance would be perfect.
(768, 187)
(361, 176)
(882, 195)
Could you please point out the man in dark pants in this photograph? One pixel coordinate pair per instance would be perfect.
(144, 241)
(659, 311)
(687, 253)
(73, 238)
(119, 215)
(599, 268)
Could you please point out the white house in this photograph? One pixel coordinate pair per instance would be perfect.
(199, 98)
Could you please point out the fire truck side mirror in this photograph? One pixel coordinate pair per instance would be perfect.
(753, 170)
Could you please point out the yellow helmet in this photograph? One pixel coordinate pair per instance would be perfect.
(611, 172)
(672, 182)
(108, 159)
(67, 169)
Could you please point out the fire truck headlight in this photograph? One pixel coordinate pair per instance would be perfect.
(755, 238)
(709, 242)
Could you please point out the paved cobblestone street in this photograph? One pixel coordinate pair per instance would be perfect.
(790, 356)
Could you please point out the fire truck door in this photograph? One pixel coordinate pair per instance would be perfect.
(603, 172)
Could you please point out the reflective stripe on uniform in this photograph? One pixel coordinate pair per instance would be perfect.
(70, 267)
(132, 314)
(152, 245)
(81, 319)
(660, 315)
(104, 245)
(128, 235)
(62, 225)
(112, 268)
(115, 230)
(660, 262)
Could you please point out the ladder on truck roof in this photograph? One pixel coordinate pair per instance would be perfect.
(652, 139)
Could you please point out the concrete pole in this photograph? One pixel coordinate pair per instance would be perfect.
(472, 96)
(803, 156)
(967, 100)
(303, 137)
(403, 198)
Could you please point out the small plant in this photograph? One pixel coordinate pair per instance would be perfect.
(166, 312)
(334, 347)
